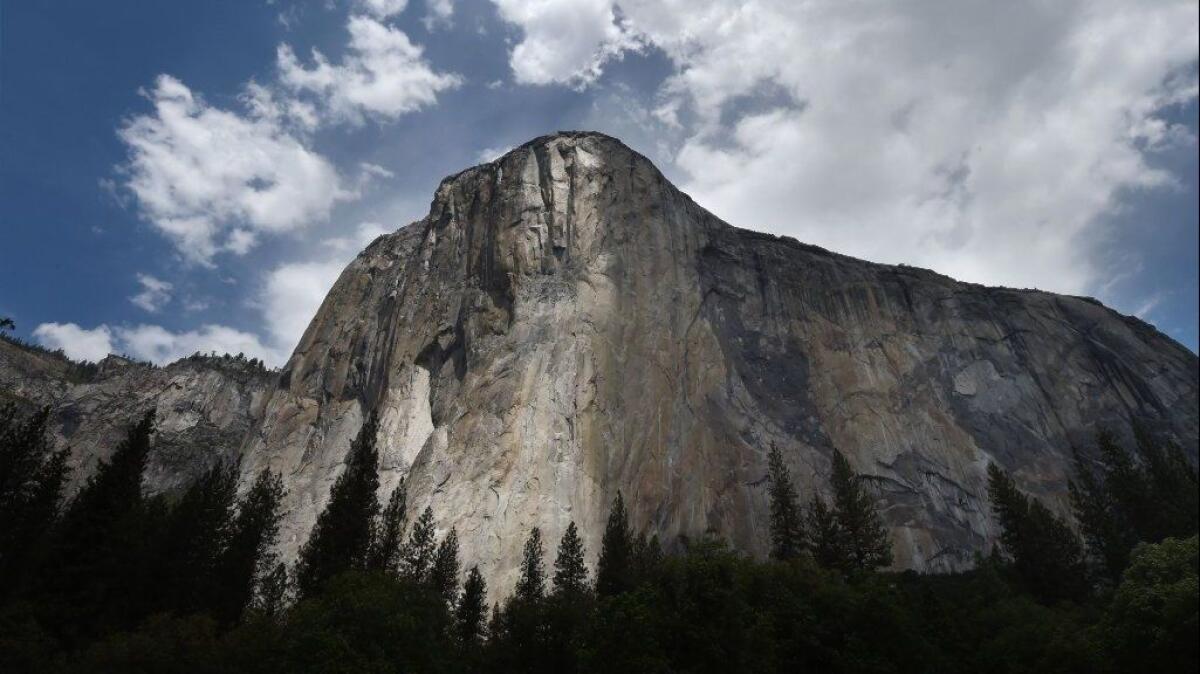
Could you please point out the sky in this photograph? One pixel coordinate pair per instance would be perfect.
(192, 176)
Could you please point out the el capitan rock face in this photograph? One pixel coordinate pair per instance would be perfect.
(565, 324)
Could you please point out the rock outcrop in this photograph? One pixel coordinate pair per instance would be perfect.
(565, 324)
(204, 406)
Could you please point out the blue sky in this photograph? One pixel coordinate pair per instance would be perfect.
(192, 176)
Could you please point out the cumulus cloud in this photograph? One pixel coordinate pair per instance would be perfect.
(382, 76)
(382, 9)
(989, 141)
(152, 342)
(564, 41)
(212, 179)
(438, 12)
(76, 342)
(154, 295)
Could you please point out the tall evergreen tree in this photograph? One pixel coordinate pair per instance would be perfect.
(197, 534)
(787, 523)
(31, 483)
(613, 570)
(865, 539)
(249, 560)
(102, 545)
(1108, 534)
(570, 572)
(471, 610)
(444, 574)
(341, 537)
(389, 533)
(271, 595)
(416, 558)
(531, 586)
(1174, 496)
(825, 536)
(1046, 553)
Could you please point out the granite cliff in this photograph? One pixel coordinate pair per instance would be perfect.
(564, 324)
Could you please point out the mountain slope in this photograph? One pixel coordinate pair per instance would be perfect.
(565, 324)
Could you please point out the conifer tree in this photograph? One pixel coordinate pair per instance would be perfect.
(271, 595)
(31, 483)
(198, 530)
(101, 552)
(249, 560)
(787, 524)
(385, 548)
(825, 536)
(341, 538)
(1108, 535)
(1046, 553)
(613, 570)
(531, 586)
(570, 572)
(444, 574)
(472, 608)
(418, 553)
(864, 537)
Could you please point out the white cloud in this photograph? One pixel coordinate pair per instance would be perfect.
(490, 154)
(76, 342)
(565, 41)
(438, 12)
(152, 342)
(383, 75)
(990, 141)
(154, 295)
(382, 9)
(210, 179)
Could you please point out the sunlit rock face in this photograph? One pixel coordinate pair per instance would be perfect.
(565, 324)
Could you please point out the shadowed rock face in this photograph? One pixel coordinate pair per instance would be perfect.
(204, 408)
(565, 324)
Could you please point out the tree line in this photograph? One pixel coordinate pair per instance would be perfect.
(114, 580)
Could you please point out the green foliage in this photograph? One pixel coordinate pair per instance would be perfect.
(198, 530)
(471, 610)
(825, 536)
(1046, 552)
(614, 573)
(444, 574)
(865, 543)
(787, 519)
(531, 586)
(389, 533)
(249, 560)
(1152, 623)
(341, 537)
(570, 572)
(416, 559)
(31, 483)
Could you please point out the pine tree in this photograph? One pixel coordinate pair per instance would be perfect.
(195, 540)
(31, 483)
(272, 594)
(1045, 552)
(1171, 481)
(385, 548)
(570, 572)
(787, 524)
(825, 536)
(1108, 535)
(531, 586)
(444, 574)
(416, 558)
(341, 538)
(865, 538)
(472, 608)
(102, 551)
(613, 570)
(250, 560)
